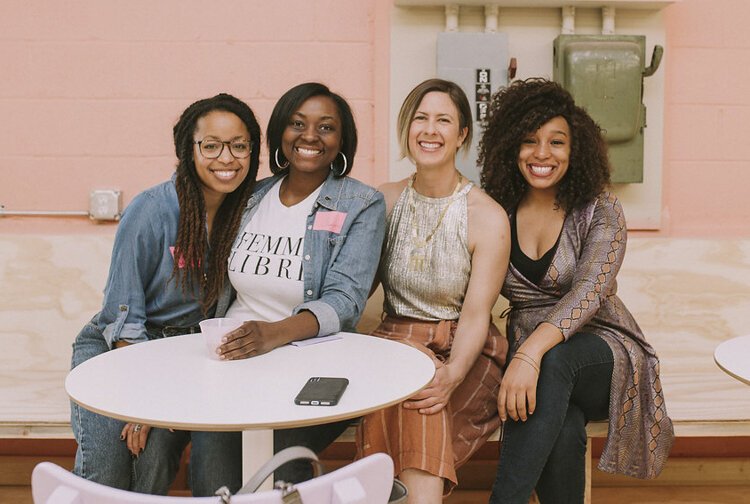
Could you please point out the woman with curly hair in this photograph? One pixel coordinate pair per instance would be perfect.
(576, 353)
(168, 266)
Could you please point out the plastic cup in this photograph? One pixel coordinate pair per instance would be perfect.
(214, 329)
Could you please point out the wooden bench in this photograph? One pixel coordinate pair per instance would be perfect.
(687, 295)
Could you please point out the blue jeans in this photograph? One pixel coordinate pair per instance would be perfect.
(215, 459)
(548, 451)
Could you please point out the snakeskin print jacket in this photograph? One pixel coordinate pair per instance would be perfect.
(579, 293)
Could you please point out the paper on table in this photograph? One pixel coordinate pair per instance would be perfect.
(314, 341)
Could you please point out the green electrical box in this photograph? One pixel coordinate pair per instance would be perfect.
(604, 73)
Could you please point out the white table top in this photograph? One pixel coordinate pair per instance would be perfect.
(172, 382)
(733, 357)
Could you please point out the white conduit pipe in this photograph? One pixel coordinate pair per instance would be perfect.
(568, 20)
(608, 20)
(490, 18)
(42, 213)
(451, 17)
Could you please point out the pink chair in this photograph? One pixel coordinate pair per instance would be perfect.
(366, 481)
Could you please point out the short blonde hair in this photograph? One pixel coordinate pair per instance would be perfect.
(414, 98)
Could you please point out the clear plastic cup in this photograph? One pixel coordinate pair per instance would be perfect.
(214, 329)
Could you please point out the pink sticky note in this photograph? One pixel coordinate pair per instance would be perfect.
(329, 221)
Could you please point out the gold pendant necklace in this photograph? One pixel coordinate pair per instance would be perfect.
(418, 254)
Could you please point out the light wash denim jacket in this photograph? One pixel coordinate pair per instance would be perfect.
(139, 288)
(338, 265)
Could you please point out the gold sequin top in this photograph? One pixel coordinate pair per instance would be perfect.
(426, 264)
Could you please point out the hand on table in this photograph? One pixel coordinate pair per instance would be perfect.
(135, 436)
(434, 397)
(250, 339)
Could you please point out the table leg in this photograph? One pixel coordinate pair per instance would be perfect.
(257, 449)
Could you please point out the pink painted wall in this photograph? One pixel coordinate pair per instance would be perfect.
(91, 88)
(707, 123)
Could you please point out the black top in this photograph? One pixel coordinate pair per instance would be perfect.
(532, 269)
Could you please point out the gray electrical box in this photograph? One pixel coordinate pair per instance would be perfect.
(478, 62)
(105, 204)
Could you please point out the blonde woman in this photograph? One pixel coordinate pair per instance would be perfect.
(445, 257)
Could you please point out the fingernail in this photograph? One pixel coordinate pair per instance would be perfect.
(224, 339)
(122, 437)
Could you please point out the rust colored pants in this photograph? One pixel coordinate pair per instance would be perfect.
(441, 442)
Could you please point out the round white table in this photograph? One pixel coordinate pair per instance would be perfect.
(733, 357)
(172, 383)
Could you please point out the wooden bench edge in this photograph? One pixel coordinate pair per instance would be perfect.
(712, 428)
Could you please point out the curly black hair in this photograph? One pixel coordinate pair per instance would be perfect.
(522, 108)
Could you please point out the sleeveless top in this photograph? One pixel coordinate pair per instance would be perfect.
(426, 263)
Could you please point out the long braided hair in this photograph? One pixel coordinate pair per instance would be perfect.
(192, 243)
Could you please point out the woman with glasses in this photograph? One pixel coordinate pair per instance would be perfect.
(445, 255)
(168, 267)
(576, 352)
(308, 246)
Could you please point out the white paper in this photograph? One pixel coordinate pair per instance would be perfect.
(314, 341)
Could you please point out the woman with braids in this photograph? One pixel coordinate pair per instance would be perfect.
(169, 263)
(446, 251)
(576, 353)
(308, 245)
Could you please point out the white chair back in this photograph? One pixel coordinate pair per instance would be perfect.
(366, 481)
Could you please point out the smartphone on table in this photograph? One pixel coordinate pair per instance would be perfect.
(321, 391)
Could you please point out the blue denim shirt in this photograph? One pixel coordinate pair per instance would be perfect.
(338, 267)
(139, 289)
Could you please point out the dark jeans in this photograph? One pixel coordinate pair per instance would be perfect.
(548, 451)
(315, 437)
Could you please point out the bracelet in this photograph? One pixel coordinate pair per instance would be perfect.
(527, 360)
(529, 356)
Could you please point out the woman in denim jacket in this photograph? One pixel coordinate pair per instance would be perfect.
(168, 265)
(308, 247)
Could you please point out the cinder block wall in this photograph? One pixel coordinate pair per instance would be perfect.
(91, 89)
(707, 162)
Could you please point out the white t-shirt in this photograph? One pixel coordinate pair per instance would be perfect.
(265, 266)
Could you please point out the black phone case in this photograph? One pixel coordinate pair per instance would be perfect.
(321, 391)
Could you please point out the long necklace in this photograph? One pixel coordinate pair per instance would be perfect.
(418, 244)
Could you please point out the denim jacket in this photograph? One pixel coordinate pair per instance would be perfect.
(339, 264)
(139, 289)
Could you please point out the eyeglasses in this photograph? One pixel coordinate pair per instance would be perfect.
(212, 149)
